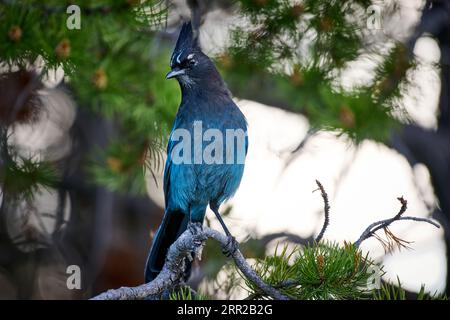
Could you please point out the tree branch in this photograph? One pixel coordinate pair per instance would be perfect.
(192, 240)
(383, 224)
(291, 237)
(326, 209)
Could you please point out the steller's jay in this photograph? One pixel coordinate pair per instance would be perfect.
(189, 185)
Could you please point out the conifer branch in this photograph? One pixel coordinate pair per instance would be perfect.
(192, 240)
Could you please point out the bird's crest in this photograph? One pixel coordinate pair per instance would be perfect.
(187, 40)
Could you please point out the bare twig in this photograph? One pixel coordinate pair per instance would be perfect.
(192, 240)
(243, 266)
(287, 236)
(326, 209)
(384, 224)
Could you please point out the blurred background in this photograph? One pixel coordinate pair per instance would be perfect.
(354, 93)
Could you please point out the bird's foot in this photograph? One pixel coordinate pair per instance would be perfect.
(231, 247)
(195, 227)
(198, 240)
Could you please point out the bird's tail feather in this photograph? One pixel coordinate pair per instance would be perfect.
(173, 225)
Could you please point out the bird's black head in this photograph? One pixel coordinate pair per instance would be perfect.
(190, 66)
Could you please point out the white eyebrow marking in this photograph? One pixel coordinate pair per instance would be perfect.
(178, 58)
(190, 56)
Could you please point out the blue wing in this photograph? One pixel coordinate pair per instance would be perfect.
(167, 167)
(179, 181)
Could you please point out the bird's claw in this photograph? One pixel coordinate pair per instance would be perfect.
(195, 227)
(231, 247)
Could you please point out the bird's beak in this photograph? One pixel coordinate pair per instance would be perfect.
(175, 73)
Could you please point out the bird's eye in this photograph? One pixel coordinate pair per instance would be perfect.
(188, 63)
(190, 60)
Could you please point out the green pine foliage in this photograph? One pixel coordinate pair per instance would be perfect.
(298, 53)
(317, 271)
(186, 293)
(23, 177)
(296, 49)
(112, 68)
(394, 291)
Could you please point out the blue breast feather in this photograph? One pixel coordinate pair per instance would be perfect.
(190, 187)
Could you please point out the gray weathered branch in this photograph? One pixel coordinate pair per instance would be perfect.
(326, 210)
(192, 240)
(383, 224)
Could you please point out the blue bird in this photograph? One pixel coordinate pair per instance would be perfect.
(211, 169)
